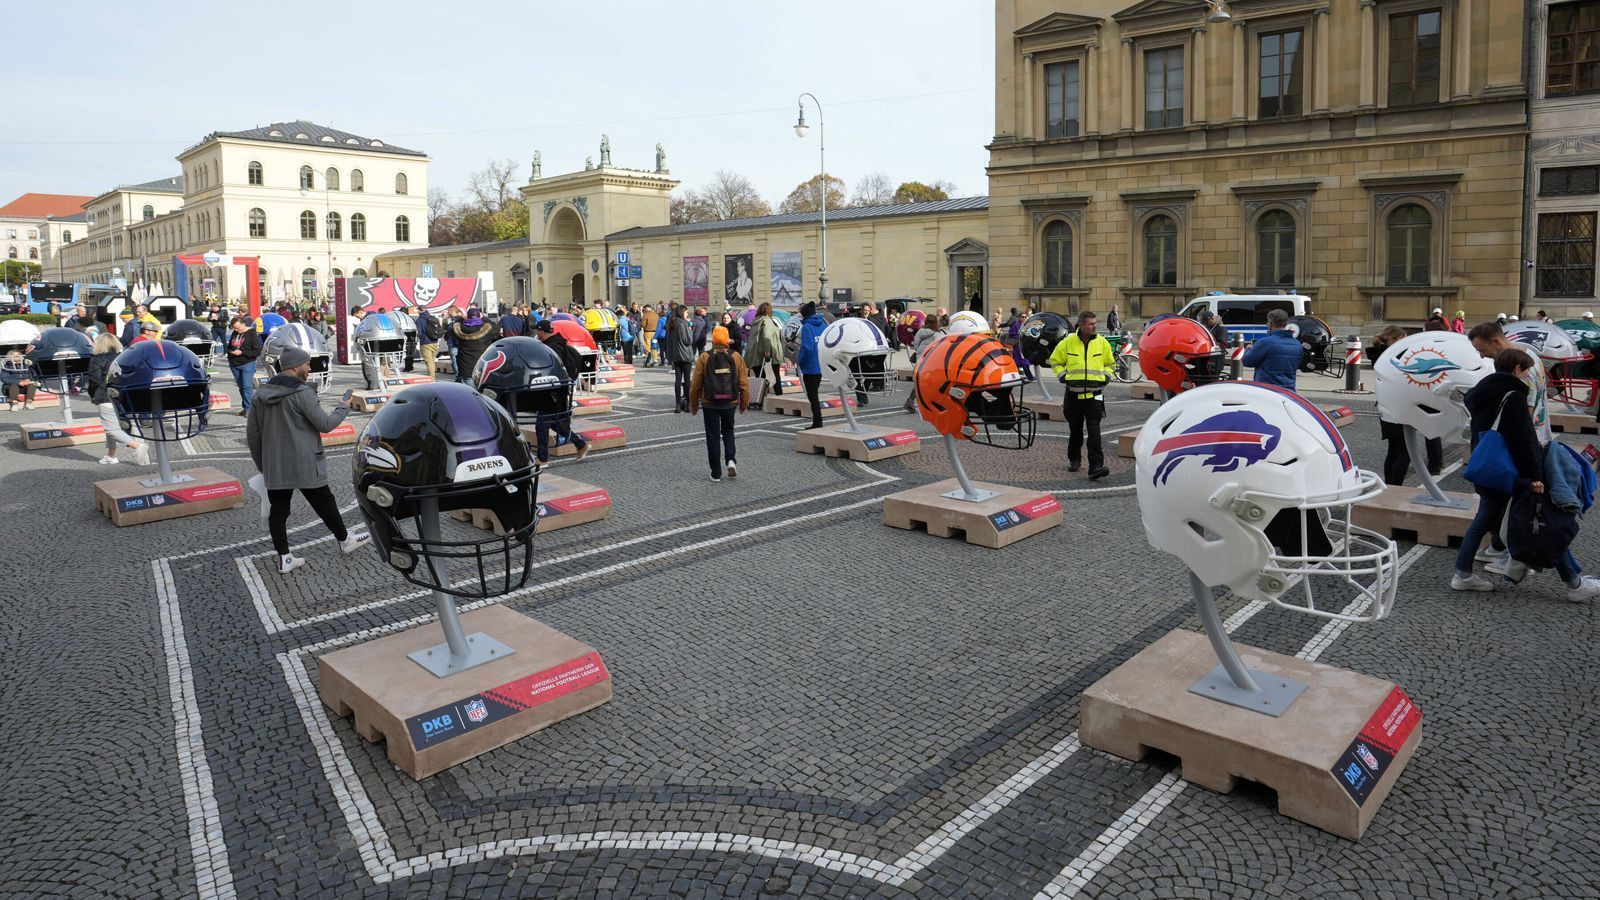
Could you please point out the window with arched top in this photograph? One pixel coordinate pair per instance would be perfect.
(258, 223)
(401, 184)
(335, 227)
(1275, 254)
(358, 181)
(1160, 252)
(402, 229)
(254, 176)
(359, 273)
(11, 253)
(33, 252)
(358, 227)
(149, 212)
(1058, 255)
(1409, 232)
(337, 273)
(308, 282)
(307, 178)
(331, 178)
(308, 225)
(66, 236)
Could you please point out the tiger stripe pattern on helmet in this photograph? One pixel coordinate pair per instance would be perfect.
(955, 366)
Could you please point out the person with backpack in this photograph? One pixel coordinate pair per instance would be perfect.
(428, 333)
(720, 384)
(559, 422)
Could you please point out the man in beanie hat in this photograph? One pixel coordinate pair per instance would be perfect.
(284, 432)
(810, 363)
(720, 384)
(472, 336)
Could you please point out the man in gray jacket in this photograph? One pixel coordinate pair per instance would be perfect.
(285, 432)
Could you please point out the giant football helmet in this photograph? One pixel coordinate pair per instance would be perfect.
(579, 339)
(20, 336)
(1040, 334)
(791, 337)
(968, 387)
(852, 353)
(1315, 338)
(1252, 487)
(969, 322)
(1584, 332)
(436, 448)
(270, 322)
(382, 339)
(1423, 378)
(296, 334)
(525, 377)
(160, 391)
(1571, 376)
(910, 323)
(1178, 354)
(194, 337)
(61, 354)
(602, 323)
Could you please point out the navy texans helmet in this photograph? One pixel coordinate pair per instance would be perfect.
(525, 377)
(296, 334)
(1040, 334)
(441, 447)
(61, 353)
(192, 336)
(160, 391)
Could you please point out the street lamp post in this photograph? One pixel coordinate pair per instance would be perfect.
(800, 129)
(327, 231)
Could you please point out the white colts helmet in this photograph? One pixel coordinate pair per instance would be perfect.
(18, 335)
(852, 353)
(296, 334)
(969, 322)
(1251, 486)
(1423, 378)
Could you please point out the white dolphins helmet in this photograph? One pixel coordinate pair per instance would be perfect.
(852, 353)
(969, 322)
(1422, 379)
(1564, 362)
(297, 334)
(18, 335)
(1252, 486)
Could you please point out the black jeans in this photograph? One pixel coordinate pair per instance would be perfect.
(719, 429)
(1397, 462)
(1083, 412)
(682, 372)
(773, 382)
(812, 382)
(321, 500)
(561, 424)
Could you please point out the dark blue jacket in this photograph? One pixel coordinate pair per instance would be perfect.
(512, 325)
(810, 333)
(1276, 358)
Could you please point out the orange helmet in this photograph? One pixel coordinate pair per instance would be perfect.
(967, 386)
(1178, 353)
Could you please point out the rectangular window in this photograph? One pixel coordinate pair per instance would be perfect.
(1280, 75)
(1414, 58)
(1061, 100)
(1163, 88)
(1566, 255)
(1569, 181)
(1572, 50)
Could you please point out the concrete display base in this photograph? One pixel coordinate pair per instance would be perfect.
(584, 404)
(431, 723)
(1332, 757)
(1125, 444)
(343, 433)
(1009, 516)
(1395, 514)
(220, 402)
(1571, 423)
(126, 501)
(1341, 415)
(870, 444)
(614, 377)
(797, 405)
(904, 373)
(608, 437)
(1145, 390)
(44, 435)
(370, 401)
(1047, 410)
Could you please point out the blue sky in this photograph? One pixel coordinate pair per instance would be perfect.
(121, 88)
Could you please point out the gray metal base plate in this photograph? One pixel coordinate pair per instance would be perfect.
(1426, 499)
(977, 496)
(157, 482)
(481, 648)
(1274, 698)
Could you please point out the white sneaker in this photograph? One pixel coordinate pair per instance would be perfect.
(109, 460)
(733, 470)
(141, 453)
(30, 404)
(1588, 589)
(716, 478)
(354, 542)
(288, 563)
(1470, 583)
(1490, 555)
(1499, 565)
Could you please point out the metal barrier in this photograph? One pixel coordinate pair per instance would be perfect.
(1236, 358)
(1352, 363)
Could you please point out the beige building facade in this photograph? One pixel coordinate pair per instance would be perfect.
(1367, 154)
(1563, 159)
(23, 225)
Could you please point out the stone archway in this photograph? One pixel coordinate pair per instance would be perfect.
(577, 288)
(565, 227)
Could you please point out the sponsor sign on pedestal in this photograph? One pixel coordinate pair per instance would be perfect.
(343, 433)
(608, 437)
(586, 404)
(44, 435)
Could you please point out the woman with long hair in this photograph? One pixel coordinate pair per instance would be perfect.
(106, 349)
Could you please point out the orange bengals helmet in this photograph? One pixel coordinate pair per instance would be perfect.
(1178, 353)
(968, 387)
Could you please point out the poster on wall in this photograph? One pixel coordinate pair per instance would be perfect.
(697, 280)
(388, 294)
(786, 285)
(739, 288)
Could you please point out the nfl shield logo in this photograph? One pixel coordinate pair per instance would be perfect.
(476, 711)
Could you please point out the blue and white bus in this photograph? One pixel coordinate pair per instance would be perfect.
(41, 294)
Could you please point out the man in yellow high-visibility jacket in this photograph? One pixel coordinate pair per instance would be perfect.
(1083, 362)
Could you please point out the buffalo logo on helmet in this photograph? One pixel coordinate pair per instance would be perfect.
(1223, 443)
(1424, 365)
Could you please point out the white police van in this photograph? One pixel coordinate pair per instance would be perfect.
(1246, 314)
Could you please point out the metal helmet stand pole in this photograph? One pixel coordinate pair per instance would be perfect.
(849, 414)
(163, 464)
(1044, 383)
(967, 491)
(66, 391)
(459, 651)
(1233, 682)
(1417, 447)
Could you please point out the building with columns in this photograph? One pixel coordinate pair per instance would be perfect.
(1367, 154)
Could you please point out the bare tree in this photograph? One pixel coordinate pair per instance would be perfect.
(873, 189)
(728, 195)
(438, 203)
(492, 187)
(807, 196)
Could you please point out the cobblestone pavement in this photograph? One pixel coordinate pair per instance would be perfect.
(807, 703)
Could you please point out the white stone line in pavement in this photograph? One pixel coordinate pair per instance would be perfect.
(245, 543)
(207, 846)
(1126, 829)
(260, 597)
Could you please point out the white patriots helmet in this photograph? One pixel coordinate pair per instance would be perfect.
(18, 335)
(969, 322)
(1571, 379)
(791, 337)
(1423, 378)
(1252, 486)
(298, 334)
(852, 353)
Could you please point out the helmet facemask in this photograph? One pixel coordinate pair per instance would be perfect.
(163, 413)
(995, 418)
(526, 404)
(18, 364)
